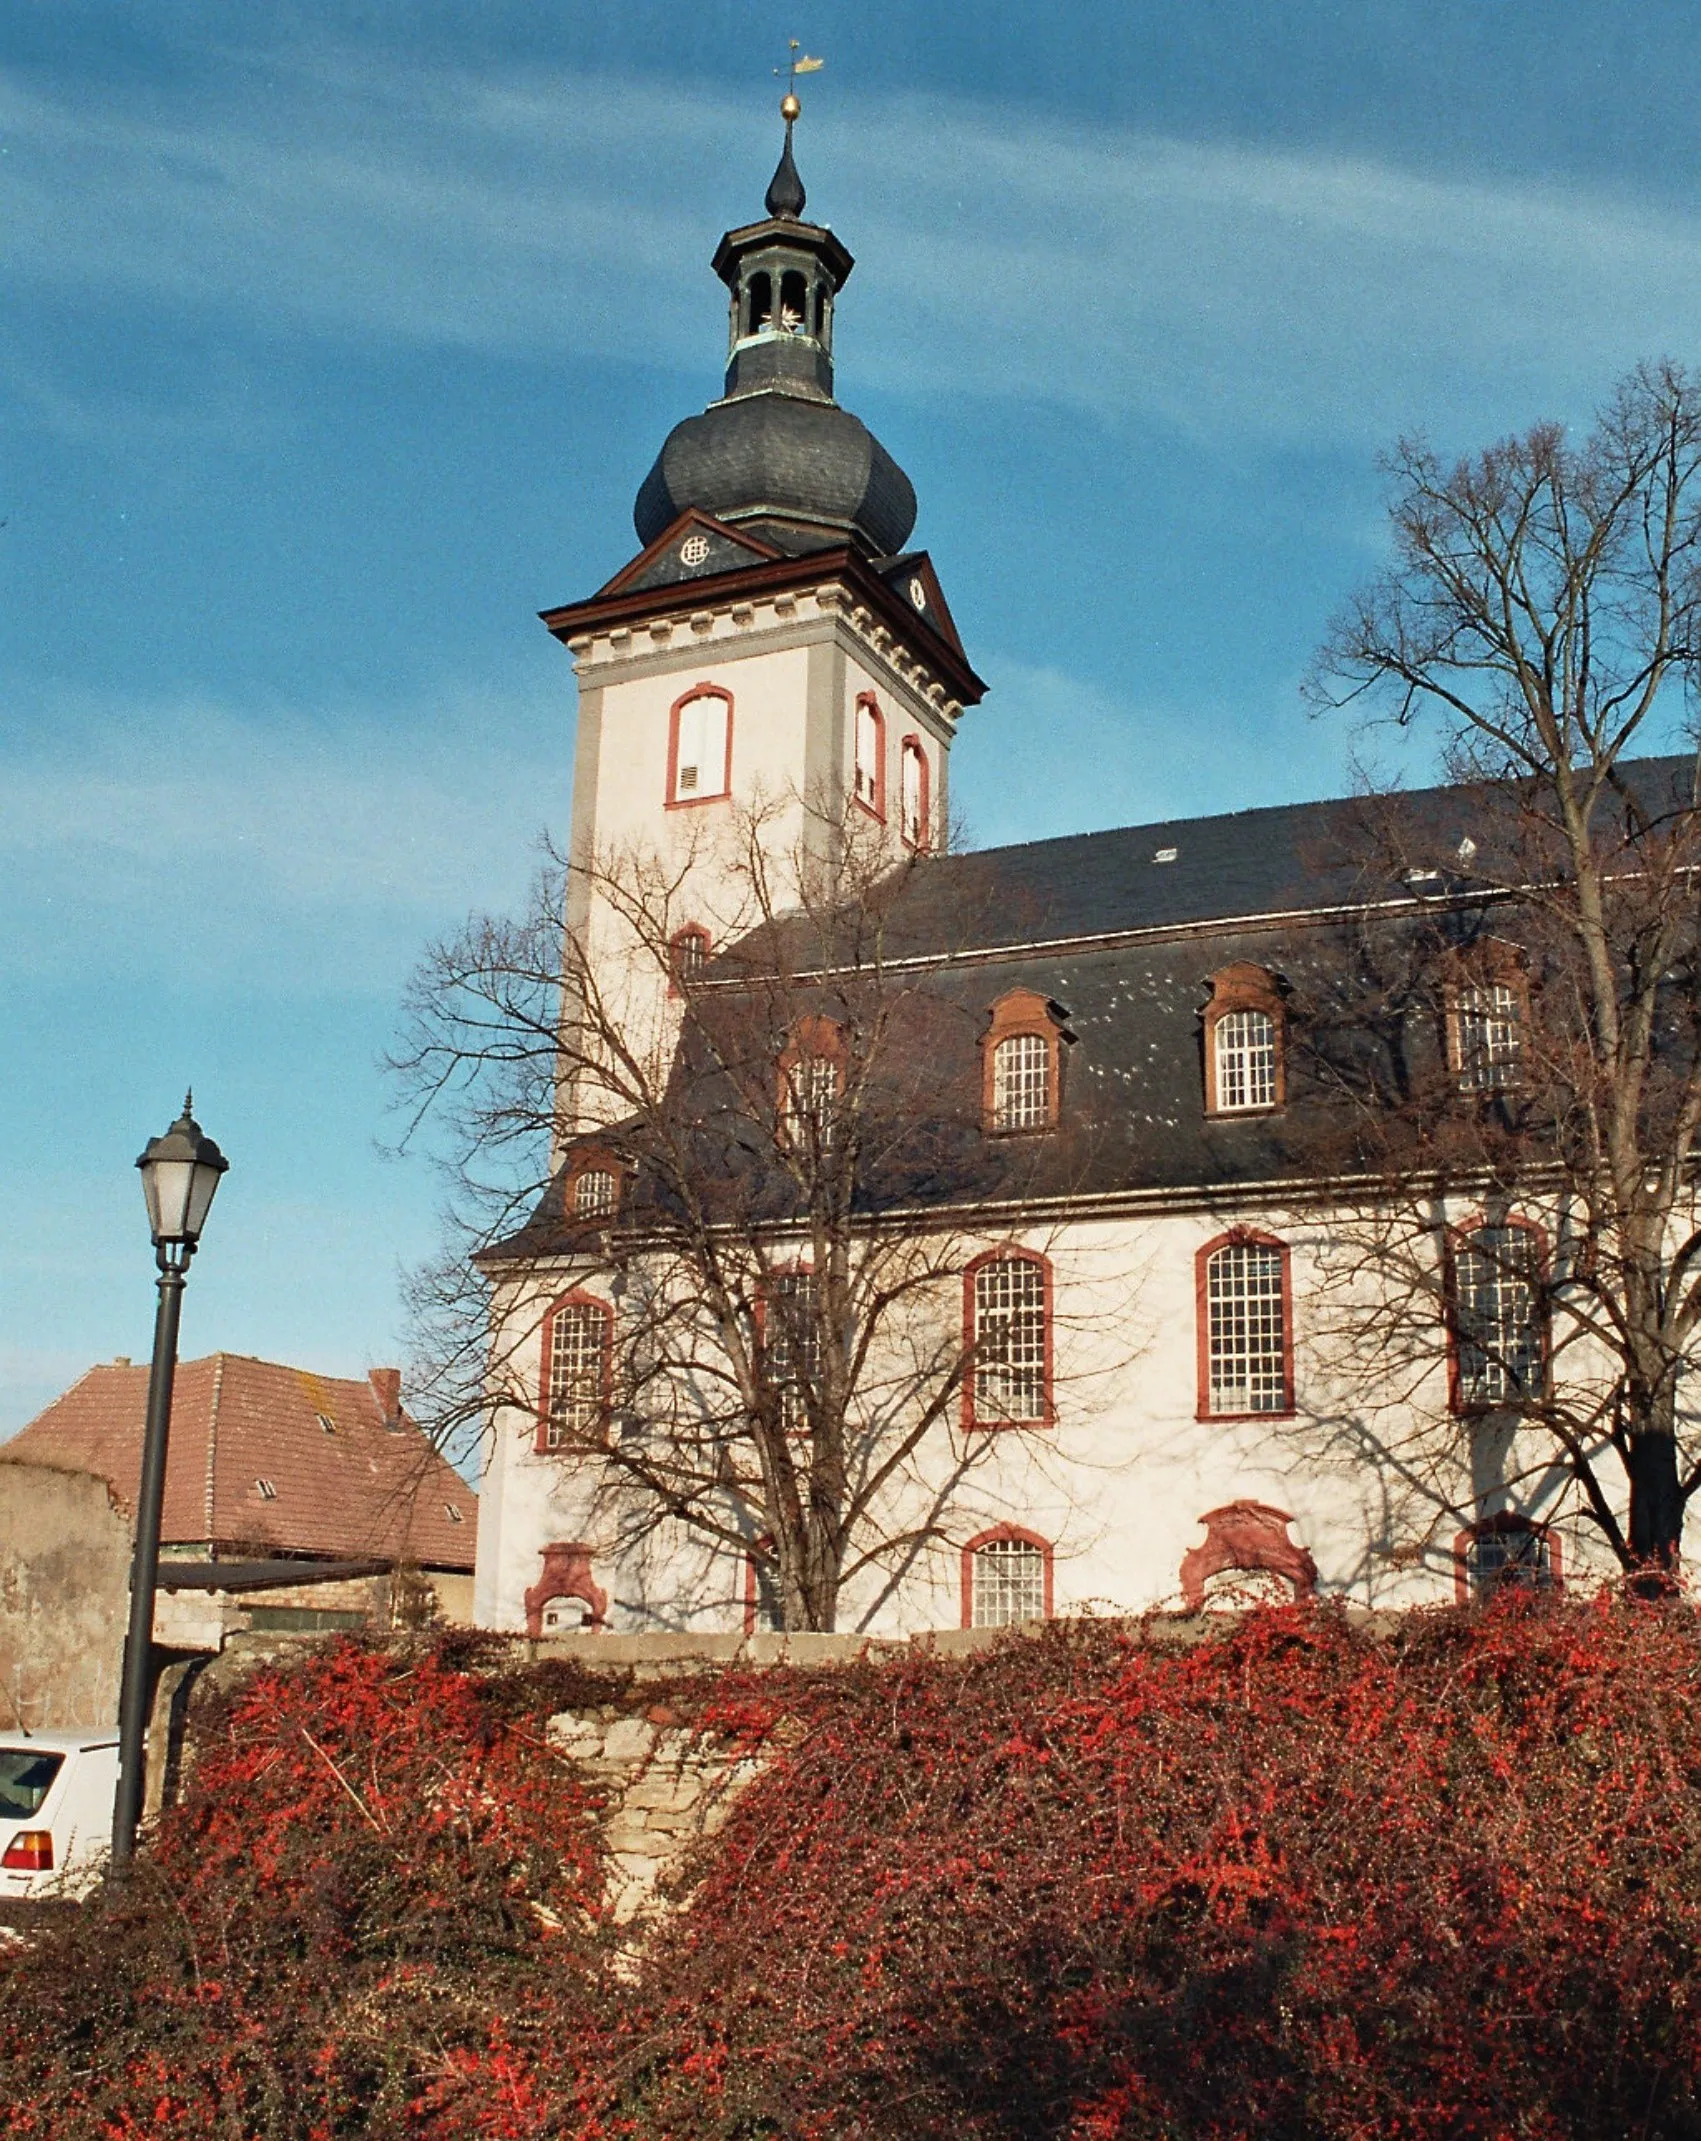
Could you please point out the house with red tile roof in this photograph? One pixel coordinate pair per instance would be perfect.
(269, 1463)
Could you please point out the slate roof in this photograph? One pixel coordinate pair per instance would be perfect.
(368, 1488)
(1288, 859)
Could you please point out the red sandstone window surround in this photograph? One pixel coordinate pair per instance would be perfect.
(699, 747)
(871, 756)
(576, 1381)
(1006, 1578)
(1007, 1340)
(1243, 1285)
(1245, 1032)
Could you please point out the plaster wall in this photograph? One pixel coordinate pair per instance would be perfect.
(1378, 1477)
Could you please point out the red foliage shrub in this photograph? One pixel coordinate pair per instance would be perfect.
(375, 1912)
(1303, 1881)
(1300, 1882)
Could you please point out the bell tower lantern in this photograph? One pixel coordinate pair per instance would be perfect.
(783, 276)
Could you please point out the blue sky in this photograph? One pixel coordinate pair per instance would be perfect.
(338, 338)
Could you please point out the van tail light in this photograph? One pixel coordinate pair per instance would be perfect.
(30, 1851)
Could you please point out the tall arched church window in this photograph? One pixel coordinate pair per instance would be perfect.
(1245, 1073)
(699, 751)
(915, 800)
(1245, 1310)
(1006, 1578)
(871, 755)
(575, 1384)
(1007, 1334)
(1498, 1322)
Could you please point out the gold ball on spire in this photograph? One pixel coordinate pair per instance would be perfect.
(790, 108)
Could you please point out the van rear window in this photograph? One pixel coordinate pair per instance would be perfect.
(26, 1778)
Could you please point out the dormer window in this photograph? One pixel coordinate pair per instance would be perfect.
(1488, 1036)
(699, 755)
(687, 955)
(871, 755)
(593, 1187)
(812, 1076)
(915, 800)
(1244, 1032)
(1022, 1063)
(593, 1194)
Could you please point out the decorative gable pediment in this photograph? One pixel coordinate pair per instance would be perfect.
(695, 547)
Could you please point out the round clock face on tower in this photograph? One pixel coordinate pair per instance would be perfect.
(694, 550)
(918, 595)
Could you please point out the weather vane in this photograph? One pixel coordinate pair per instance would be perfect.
(800, 63)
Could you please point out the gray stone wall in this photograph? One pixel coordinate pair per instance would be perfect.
(64, 1597)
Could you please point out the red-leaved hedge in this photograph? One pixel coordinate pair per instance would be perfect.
(1437, 1882)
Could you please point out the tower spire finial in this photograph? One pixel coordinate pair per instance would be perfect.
(785, 189)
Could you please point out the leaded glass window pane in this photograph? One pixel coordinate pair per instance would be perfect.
(593, 1193)
(1021, 1082)
(1007, 1584)
(1247, 1337)
(578, 1338)
(1496, 1318)
(1491, 1036)
(1245, 1043)
(1010, 1340)
(792, 1343)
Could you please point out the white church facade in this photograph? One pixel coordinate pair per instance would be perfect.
(1173, 1376)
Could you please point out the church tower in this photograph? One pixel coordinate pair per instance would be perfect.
(773, 652)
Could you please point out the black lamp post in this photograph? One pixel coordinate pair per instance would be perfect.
(180, 1172)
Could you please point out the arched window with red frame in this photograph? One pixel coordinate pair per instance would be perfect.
(1506, 1551)
(699, 747)
(591, 1190)
(1006, 1578)
(1244, 1289)
(915, 798)
(576, 1378)
(1497, 1330)
(1022, 1063)
(1007, 1340)
(870, 767)
(1245, 1066)
(687, 955)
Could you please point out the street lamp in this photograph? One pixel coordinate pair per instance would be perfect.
(180, 1172)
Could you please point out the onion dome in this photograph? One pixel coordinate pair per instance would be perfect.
(777, 454)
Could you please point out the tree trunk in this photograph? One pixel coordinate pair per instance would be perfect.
(1656, 1501)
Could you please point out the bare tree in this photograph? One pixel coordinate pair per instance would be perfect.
(1542, 608)
(759, 1158)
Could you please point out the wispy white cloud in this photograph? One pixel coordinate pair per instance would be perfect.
(1237, 291)
(294, 851)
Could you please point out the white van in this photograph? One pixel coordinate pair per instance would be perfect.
(56, 1795)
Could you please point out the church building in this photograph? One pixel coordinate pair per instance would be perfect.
(1160, 1390)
